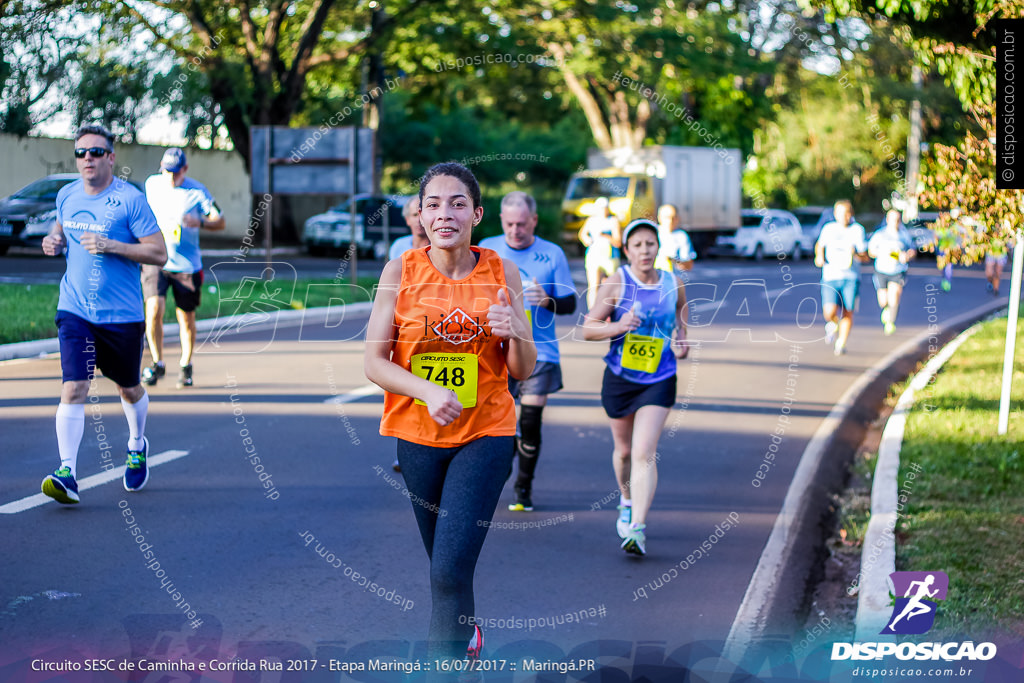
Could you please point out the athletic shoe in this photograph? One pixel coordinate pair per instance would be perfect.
(61, 486)
(395, 466)
(476, 644)
(471, 674)
(885, 315)
(151, 374)
(622, 523)
(523, 502)
(946, 285)
(635, 541)
(839, 350)
(830, 332)
(185, 377)
(136, 473)
(888, 328)
(988, 286)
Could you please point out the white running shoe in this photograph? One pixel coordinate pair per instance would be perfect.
(830, 332)
(622, 523)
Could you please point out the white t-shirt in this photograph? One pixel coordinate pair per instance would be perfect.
(840, 244)
(676, 245)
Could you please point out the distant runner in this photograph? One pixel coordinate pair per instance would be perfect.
(548, 291)
(892, 248)
(182, 207)
(839, 247)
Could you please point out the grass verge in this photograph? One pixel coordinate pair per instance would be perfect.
(27, 311)
(964, 510)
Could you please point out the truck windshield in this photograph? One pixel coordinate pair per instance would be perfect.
(584, 188)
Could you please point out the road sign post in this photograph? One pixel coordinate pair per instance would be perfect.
(311, 161)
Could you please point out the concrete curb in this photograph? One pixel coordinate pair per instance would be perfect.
(776, 594)
(878, 557)
(287, 317)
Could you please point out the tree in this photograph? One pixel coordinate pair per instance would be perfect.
(959, 39)
(113, 91)
(257, 56)
(38, 47)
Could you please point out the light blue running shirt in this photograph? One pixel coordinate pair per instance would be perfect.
(546, 263)
(103, 288)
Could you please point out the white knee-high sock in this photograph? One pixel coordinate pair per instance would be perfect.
(70, 427)
(136, 414)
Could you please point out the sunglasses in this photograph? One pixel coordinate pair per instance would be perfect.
(96, 152)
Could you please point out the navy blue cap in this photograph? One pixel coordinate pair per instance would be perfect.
(174, 160)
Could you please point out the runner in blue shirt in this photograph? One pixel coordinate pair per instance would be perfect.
(892, 248)
(105, 228)
(548, 291)
(182, 207)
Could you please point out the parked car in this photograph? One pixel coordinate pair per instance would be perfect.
(333, 230)
(812, 220)
(762, 232)
(27, 216)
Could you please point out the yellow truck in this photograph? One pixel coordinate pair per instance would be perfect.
(703, 183)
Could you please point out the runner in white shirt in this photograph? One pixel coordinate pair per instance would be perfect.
(839, 248)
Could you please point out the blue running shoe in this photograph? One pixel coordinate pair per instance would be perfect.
(61, 486)
(136, 473)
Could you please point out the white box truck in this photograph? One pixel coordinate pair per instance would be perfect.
(703, 184)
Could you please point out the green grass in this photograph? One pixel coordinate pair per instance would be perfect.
(27, 311)
(964, 513)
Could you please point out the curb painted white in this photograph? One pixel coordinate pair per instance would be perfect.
(878, 557)
(287, 316)
(764, 586)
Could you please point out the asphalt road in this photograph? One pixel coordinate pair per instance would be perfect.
(277, 572)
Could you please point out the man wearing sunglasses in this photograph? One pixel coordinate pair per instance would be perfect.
(183, 207)
(105, 229)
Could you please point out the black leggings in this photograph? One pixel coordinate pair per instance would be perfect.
(454, 494)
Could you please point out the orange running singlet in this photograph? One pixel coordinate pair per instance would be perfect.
(441, 334)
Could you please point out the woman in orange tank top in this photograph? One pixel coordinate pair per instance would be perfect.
(446, 330)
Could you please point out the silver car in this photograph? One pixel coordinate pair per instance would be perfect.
(762, 232)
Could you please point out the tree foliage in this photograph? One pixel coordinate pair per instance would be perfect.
(964, 176)
(39, 46)
(960, 40)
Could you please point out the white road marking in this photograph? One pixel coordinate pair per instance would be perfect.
(89, 482)
(355, 394)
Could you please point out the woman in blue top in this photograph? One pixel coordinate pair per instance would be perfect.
(640, 309)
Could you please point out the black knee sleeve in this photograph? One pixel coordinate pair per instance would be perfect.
(529, 430)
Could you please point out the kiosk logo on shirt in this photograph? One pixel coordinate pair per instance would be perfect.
(458, 328)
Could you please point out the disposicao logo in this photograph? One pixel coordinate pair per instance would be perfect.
(916, 595)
